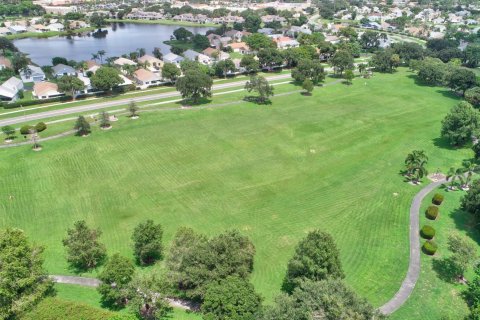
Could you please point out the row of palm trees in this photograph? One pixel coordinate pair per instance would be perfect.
(462, 175)
(416, 161)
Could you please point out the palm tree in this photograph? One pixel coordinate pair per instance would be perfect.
(453, 175)
(101, 53)
(469, 168)
(129, 69)
(414, 159)
(141, 52)
(94, 56)
(419, 171)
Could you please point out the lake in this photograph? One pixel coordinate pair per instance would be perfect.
(121, 38)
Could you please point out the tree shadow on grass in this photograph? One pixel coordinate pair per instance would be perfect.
(450, 94)
(466, 222)
(257, 100)
(191, 103)
(443, 143)
(444, 269)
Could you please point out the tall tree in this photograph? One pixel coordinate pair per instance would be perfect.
(250, 64)
(133, 109)
(147, 242)
(260, 85)
(182, 34)
(461, 79)
(463, 254)
(24, 282)
(148, 300)
(105, 120)
(84, 251)
(170, 72)
(316, 258)
(116, 277)
(341, 61)
(71, 85)
(82, 126)
(194, 85)
(231, 298)
(309, 69)
(106, 78)
(224, 67)
(461, 123)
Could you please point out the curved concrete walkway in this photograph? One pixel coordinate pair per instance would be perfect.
(388, 308)
(414, 265)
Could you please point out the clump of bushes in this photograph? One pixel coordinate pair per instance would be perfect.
(432, 212)
(24, 130)
(437, 199)
(41, 126)
(427, 232)
(430, 247)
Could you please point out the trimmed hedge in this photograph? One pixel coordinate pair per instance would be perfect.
(432, 212)
(34, 102)
(429, 247)
(24, 130)
(427, 232)
(437, 199)
(41, 126)
(54, 308)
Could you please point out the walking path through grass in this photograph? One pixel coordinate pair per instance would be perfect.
(388, 308)
(413, 272)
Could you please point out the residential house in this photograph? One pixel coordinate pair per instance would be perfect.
(46, 90)
(285, 42)
(34, 74)
(56, 27)
(266, 31)
(90, 66)
(240, 47)
(17, 29)
(124, 61)
(196, 56)
(146, 78)
(5, 63)
(154, 65)
(295, 30)
(78, 24)
(86, 82)
(61, 70)
(216, 54)
(10, 88)
(5, 31)
(235, 35)
(238, 67)
(172, 58)
(273, 18)
(39, 28)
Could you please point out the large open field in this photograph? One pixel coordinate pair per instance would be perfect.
(330, 161)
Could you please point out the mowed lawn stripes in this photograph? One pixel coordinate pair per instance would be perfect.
(329, 161)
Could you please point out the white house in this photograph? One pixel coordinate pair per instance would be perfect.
(146, 78)
(46, 90)
(10, 88)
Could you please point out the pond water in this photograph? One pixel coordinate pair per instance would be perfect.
(119, 38)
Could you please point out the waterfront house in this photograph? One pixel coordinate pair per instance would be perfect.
(34, 74)
(61, 70)
(17, 29)
(240, 47)
(5, 31)
(146, 78)
(216, 54)
(10, 88)
(124, 61)
(46, 90)
(153, 64)
(196, 56)
(56, 27)
(172, 58)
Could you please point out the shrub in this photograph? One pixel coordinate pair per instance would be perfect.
(432, 212)
(430, 247)
(427, 232)
(24, 130)
(41, 126)
(437, 199)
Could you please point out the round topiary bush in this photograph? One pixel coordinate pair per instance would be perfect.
(432, 212)
(429, 247)
(437, 199)
(41, 126)
(24, 130)
(427, 232)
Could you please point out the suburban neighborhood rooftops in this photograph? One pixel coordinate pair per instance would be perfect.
(146, 76)
(63, 69)
(124, 61)
(45, 89)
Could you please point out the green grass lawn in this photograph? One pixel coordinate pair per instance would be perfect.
(330, 161)
(440, 297)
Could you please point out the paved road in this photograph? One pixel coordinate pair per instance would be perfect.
(102, 105)
(414, 265)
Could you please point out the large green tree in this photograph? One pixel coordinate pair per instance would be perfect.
(224, 67)
(116, 277)
(147, 297)
(195, 261)
(328, 299)
(309, 69)
(23, 281)
(461, 79)
(106, 78)
(231, 298)
(84, 251)
(182, 34)
(170, 72)
(316, 258)
(461, 123)
(250, 64)
(472, 95)
(82, 127)
(194, 85)
(260, 85)
(70, 85)
(341, 61)
(147, 242)
(258, 41)
(472, 55)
